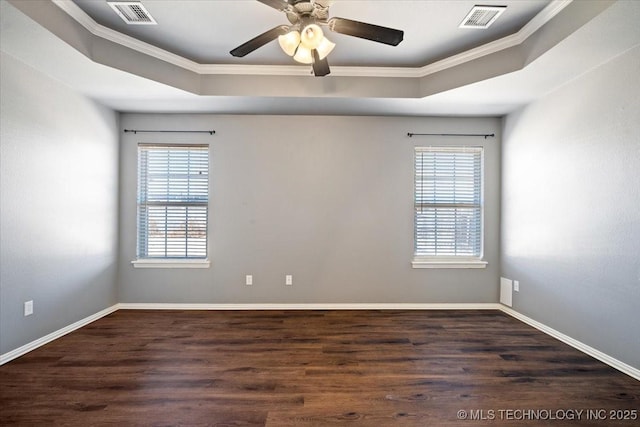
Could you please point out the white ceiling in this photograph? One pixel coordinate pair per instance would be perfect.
(610, 33)
(205, 31)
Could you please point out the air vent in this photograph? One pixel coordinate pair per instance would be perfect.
(482, 16)
(132, 12)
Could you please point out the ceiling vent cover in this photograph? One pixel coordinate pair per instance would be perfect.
(132, 12)
(482, 16)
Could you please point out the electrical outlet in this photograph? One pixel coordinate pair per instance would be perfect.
(516, 286)
(288, 280)
(249, 280)
(28, 308)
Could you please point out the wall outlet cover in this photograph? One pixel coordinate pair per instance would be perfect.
(28, 308)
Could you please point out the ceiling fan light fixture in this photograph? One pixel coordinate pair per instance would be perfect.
(304, 39)
(303, 55)
(311, 36)
(325, 47)
(289, 42)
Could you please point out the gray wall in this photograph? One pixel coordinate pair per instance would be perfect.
(327, 199)
(59, 205)
(571, 208)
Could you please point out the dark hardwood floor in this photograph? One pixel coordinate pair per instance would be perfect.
(312, 368)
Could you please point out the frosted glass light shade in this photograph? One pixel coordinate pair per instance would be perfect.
(303, 55)
(325, 47)
(311, 36)
(289, 42)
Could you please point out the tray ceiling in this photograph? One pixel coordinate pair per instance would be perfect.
(187, 68)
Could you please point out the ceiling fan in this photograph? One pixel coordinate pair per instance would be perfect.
(304, 39)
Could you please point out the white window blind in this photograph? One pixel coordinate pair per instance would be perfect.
(448, 202)
(173, 201)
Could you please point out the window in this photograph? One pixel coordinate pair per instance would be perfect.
(448, 207)
(173, 202)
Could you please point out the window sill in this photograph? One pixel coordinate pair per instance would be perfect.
(431, 263)
(171, 263)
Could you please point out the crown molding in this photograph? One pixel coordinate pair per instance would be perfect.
(304, 70)
(512, 40)
(103, 32)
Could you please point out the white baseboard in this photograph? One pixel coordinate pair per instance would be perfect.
(316, 306)
(597, 354)
(13, 354)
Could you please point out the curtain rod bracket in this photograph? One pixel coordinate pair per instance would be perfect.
(135, 131)
(484, 135)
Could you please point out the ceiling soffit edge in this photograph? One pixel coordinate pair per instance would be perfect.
(516, 57)
(555, 7)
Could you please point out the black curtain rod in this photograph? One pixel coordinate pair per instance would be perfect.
(485, 135)
(210, 132)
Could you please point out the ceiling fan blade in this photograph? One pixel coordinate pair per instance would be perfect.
(259, 41)
(371, 32)
(320, 66)
(281, 5)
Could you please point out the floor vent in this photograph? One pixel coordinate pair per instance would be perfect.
(132, 12)
(482, 16)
